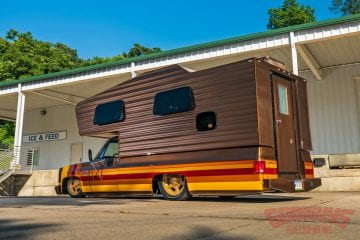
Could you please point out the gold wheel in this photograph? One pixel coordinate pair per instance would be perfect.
(173, 185)
(74, 187)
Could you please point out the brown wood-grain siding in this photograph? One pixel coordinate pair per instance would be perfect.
(228, 90)
(264, 105)
(303, 113)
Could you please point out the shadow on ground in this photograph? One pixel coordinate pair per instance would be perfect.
(22, 202)
(14, 229)
(210, 234)
(253, 198)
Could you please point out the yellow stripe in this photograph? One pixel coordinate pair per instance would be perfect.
(270, 176)
(226, 186)
(118, 188)
(122, 181)
(227, 178)
(186, 167)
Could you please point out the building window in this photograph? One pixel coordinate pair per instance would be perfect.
(111, 112)
(33, 157)
(174, 101)
(206, 121)
(283, 100)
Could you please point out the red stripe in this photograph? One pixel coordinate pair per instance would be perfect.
(271, 171)
(72, 170)
(197, 173)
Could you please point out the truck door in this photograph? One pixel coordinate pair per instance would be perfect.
(103, 161)
(284, 125)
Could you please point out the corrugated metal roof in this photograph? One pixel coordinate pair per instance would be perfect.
(187, 49)
(336, 51)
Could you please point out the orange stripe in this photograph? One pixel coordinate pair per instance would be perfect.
(235, 178)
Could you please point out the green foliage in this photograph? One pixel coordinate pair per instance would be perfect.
(7, 130)
(22, 56)
(346, 7)
(289, 14)
(138, 50)
(135, 51)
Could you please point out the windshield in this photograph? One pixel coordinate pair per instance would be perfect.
(109, 150)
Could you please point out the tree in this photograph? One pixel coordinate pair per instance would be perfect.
(135, 51)
(138, 50)
(7, 131)
(290, 13)
(22, 56)
(346, 7)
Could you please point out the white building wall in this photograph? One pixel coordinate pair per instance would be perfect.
(333, 111)
(55, 154)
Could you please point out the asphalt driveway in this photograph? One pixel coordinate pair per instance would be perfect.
(280, 216)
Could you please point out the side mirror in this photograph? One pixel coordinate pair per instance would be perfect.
(90, 155)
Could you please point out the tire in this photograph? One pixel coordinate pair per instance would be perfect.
(74, 188)
(174, 187)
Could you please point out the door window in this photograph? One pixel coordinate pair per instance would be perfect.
(111, 150)
(283, 100)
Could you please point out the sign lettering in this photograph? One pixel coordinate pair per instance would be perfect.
(42, 137)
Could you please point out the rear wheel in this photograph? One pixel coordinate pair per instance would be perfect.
(74, 188)
(173, 187)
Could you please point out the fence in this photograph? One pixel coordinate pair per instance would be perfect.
(17, 159)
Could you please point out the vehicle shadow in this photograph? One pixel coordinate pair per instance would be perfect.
(201, 232)
(15, 229)
(22, 202)
(252, 198)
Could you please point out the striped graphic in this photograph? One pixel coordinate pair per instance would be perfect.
(201, 177)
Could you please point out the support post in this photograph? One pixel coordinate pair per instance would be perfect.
(19, 126)
(132, 67)
(294, 58)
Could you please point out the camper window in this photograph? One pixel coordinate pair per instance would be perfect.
(206, 121)
(174, 101)
(283, 100)
(110, 112)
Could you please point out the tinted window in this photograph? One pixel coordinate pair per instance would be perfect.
(206, 121)
(174, 101)
(110, 112)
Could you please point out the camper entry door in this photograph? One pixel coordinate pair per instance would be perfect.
(284, 124)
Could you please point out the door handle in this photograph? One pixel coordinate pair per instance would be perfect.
(278, 121)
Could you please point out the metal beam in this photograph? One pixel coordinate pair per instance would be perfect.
(76, 97)
(310, 60)
(294, 59)
(7, 110)
(7, 118)
(54, 98)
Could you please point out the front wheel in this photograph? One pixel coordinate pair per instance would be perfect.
(173, 187)
(74, 188)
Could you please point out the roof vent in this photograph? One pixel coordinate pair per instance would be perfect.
(274, 62)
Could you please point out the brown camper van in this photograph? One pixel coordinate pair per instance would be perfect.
(234, 129)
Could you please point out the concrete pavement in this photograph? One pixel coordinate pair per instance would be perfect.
(276, 216)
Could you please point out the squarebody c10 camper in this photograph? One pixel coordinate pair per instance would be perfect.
(239, 128)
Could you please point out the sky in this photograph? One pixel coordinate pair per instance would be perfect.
(107, 28)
